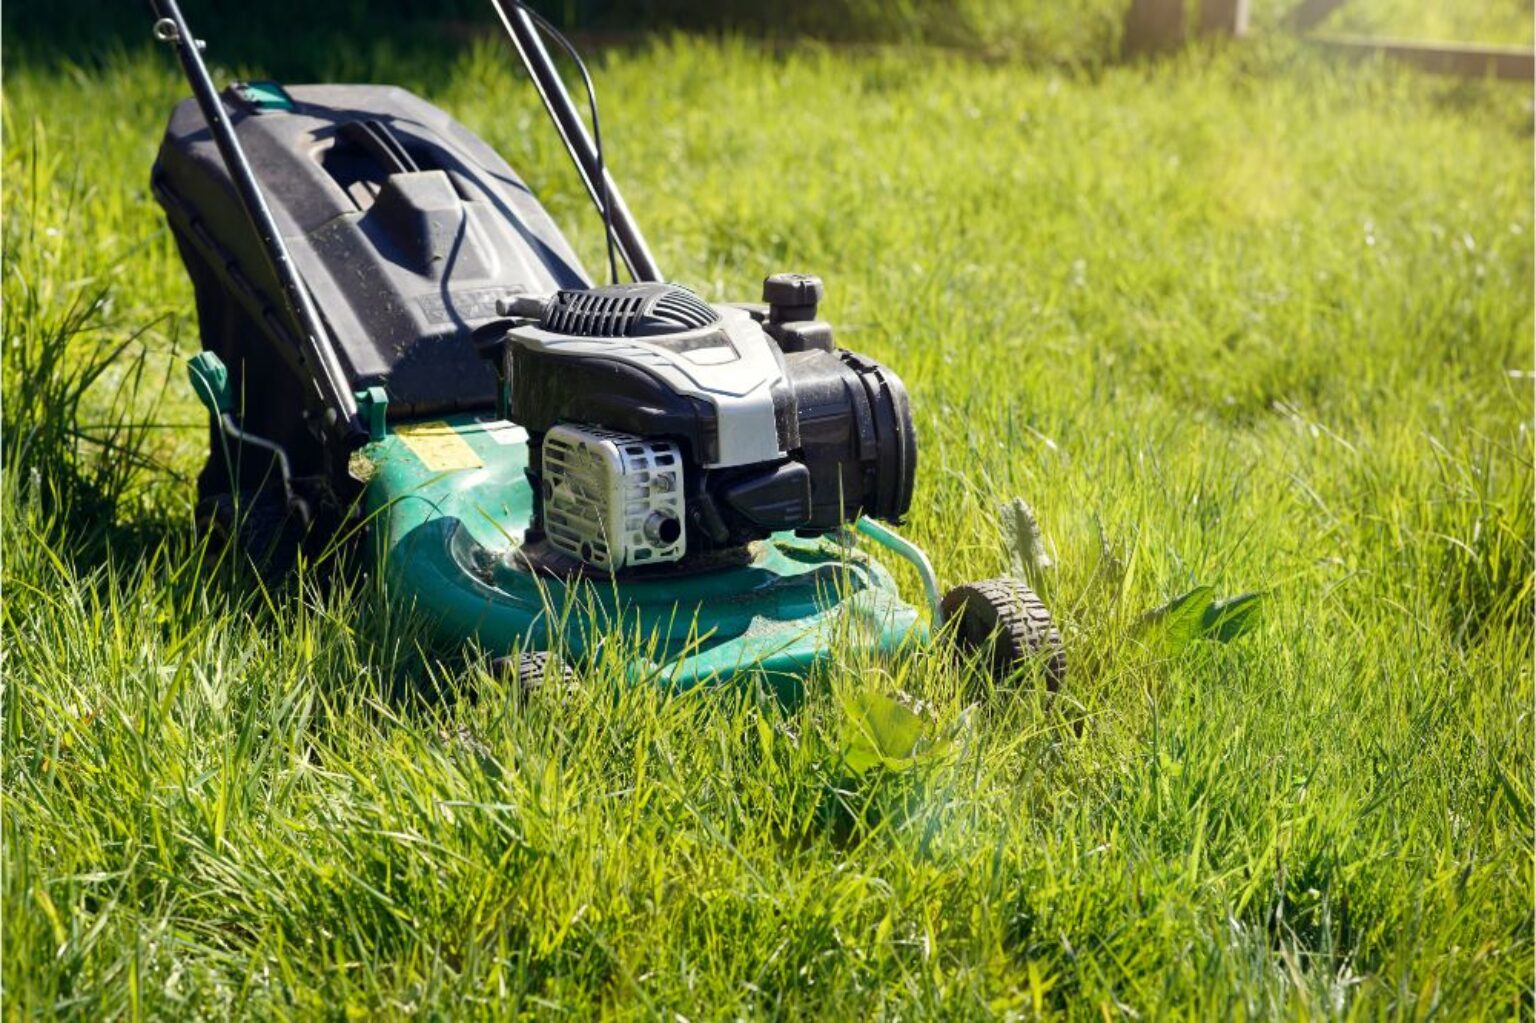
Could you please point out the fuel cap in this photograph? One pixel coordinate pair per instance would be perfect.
(791, 296)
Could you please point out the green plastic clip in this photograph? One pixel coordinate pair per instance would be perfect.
(210, 382)
(263, 95)
(373, 403)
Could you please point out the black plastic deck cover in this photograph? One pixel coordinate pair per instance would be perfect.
(407, 229)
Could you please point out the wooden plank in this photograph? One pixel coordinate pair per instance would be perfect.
(1470, 60)
(1224, 18)
(1152, 26)
(1310, 13)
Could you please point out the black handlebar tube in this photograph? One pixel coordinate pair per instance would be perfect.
(546, 79)
(338, 406)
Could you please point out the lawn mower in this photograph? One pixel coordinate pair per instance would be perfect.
(399, 344)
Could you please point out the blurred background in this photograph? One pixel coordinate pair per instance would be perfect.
(296, 37)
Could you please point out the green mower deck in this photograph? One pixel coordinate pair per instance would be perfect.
(449, 503)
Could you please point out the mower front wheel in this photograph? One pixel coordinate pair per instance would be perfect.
(1005, 622)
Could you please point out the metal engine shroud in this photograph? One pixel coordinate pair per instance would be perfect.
(612, 499)
(778, 429)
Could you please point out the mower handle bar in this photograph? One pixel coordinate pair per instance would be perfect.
(338, 406)
(562, 110)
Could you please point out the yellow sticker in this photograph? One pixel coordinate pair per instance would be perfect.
(439, 446)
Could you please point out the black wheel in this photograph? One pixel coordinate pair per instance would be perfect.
(260, 526)
(1004, 619)
(532, 669)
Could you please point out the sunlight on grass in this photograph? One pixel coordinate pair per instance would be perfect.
(1248, 321)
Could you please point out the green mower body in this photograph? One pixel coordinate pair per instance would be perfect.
(448, 504)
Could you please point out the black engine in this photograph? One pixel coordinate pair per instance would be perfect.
(774, 427)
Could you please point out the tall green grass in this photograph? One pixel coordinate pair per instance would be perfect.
(1244, 320)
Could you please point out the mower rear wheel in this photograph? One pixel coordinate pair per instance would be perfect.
(533, 669)
(1004, 621)
(259, 525)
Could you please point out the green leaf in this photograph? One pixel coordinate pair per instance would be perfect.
(1197, 615)
(1231, 617)
(1179, 622)
(860, 757)
(880, 731)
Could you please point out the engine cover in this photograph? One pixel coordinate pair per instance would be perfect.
(724, 379)
(612, 499)
(774, 428)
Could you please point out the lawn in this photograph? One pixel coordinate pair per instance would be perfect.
(1244, 319)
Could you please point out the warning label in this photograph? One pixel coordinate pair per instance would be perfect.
(439, 446)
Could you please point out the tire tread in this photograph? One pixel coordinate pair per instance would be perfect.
(1013, 617)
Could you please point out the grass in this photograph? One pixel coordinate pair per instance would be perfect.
(1499, 22)
(1245, 320)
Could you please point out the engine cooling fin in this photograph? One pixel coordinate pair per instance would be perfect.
(626, 310)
